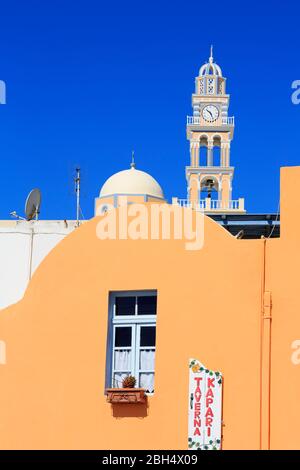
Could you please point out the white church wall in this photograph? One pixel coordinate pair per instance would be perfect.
(23, 245)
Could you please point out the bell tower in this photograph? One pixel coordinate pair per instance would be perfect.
(210, 132)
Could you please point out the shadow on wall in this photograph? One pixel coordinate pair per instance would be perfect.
(139, 410)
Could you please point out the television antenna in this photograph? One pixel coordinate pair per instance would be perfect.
(32, 206)
(77, 191)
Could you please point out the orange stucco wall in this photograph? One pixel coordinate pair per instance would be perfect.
(209, 307)
(283, 280)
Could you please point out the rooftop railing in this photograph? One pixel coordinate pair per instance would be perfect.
(195, 120)
(209, 204)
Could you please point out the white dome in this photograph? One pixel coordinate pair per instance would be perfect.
(210, 68)
(132, 182)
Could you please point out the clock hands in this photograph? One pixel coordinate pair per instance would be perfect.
(210, 113)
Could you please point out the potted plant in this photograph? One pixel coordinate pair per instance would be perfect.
(129, 381)
(128, 394)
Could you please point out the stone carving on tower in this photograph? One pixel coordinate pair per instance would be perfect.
(210, 132)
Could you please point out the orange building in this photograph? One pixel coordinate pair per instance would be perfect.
(102, 306)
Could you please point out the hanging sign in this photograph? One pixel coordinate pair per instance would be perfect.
(205, 407)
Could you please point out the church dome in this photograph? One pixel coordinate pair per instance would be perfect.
(132, 182)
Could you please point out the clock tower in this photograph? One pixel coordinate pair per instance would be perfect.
(210, 132)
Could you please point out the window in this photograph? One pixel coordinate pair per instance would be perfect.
(131, 338)
(221, 87)
(211, 86)
(201, 89)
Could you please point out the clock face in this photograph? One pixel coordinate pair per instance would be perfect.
(210, 113)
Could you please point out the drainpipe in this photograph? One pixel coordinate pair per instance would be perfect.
(265, 357)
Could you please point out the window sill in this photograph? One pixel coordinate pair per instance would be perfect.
(126, 395)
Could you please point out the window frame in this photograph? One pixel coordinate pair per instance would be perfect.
(135, 321)
(139, 348)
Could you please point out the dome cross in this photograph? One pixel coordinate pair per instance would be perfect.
(132, 164)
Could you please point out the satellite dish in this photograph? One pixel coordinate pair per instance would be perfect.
(33, 204)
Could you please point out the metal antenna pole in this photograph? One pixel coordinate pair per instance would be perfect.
(77, 190)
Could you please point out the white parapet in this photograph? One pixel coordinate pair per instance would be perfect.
(196, 121)
(213, 205)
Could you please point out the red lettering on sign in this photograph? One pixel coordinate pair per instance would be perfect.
(208, 421)
(209, 401)
(210, 382)
(209, 412)
(197, 394)
(202, 419)
(198, 380)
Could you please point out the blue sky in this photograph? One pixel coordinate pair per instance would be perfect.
(88, 81)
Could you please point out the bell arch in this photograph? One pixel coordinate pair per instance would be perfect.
(216, 150)
(209, 187)
(203, 149)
